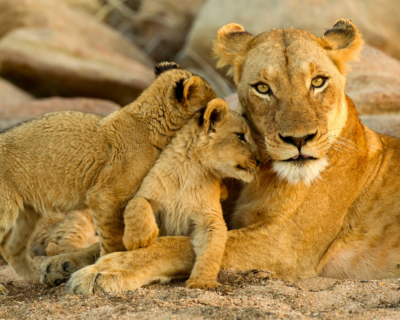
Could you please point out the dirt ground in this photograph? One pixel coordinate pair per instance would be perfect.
(253, 294)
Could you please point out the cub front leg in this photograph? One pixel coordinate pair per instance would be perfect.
(140, 226)
(209, 239)
(58, 269)
(107, 209)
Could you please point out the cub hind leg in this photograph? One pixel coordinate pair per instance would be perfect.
(16, 227)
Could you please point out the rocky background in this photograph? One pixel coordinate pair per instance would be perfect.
(98, 55)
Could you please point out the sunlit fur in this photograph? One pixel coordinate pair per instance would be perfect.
(65, 161)
(180, 196)
(346, 224)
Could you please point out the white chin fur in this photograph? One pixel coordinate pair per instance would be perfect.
(295, 172)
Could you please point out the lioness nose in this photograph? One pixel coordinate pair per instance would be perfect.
(298, 142)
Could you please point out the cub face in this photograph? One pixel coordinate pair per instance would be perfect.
(228, 146)
(291, 88)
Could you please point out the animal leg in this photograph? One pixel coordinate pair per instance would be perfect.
(58, 269)
(14, 243)
(140, 226)
(209, 240)
(107, 210)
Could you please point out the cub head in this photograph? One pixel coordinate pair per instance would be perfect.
(227, 145)
(180, 91)
(291, 89)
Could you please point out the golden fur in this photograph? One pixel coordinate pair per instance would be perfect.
(340, 220)
(66, 161)
(180, 195)
(61, 233)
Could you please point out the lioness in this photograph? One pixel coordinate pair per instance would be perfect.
(66, 161)
(181, 193)
(305, 216)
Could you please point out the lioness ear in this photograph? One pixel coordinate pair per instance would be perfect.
(343, 43)
(217, 112)
(230, 47)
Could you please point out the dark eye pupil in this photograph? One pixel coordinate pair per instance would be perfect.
(241, 136)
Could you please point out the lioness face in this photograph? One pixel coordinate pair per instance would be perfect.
(228, 145)
(291, 88)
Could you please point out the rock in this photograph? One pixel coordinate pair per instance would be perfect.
(11, 95)
(56, 15)
(374, 83)
(49, 49)
(383, 123)
(162, 26)
(91, 7)
(50, 62)
(378, 22)
(12, 115)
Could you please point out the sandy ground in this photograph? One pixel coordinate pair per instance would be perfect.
(253, 294)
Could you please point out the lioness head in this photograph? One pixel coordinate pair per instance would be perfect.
(227, 146)
(291, 88)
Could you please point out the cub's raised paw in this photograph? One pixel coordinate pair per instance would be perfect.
(58, 269)
(202, 284)
(134, 239)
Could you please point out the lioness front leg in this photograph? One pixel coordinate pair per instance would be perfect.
(166, 259)
(140, 226)
(209, 240)
(58, 269)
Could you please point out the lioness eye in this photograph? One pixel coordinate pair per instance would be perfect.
(318, 82)
(241, 137)
(262, 88)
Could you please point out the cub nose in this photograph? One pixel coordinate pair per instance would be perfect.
(298, 142)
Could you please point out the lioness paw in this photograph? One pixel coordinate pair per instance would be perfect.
(202, 284)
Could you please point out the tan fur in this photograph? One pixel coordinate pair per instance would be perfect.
(345, 223)
(181, 193)
(63, 233)
(66, 161)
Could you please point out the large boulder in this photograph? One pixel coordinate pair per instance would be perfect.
(50, 49)
(383, 123)
(13, 114)
(378, 21)
(161, 26)
(11, 95)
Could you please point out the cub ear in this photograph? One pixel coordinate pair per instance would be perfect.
(343, 43)
(230, 47)
(217, 112)
(192, 92)
(164, 66)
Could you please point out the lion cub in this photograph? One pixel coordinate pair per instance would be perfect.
(181, 193)
(65, 161)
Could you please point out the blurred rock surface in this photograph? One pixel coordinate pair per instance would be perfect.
(11, 115)
(11, 95)
(378, 21)
(383, 123)
(53, 50)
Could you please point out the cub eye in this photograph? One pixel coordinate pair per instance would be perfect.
(262, 88)
(318, 82)
(241, 137)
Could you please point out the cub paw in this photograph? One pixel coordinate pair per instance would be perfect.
(140, 238)
(82, 282)
(202, 284)
(58, 269)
